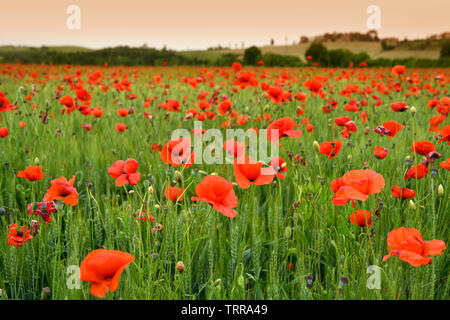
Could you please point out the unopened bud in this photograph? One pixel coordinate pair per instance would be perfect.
(316, 146)
(413, 111)
(440, 190)
(180, 266)
(412, 206)
(151, 190)
(349, 157)
(36, 161)
(157, 206)
(179, 177)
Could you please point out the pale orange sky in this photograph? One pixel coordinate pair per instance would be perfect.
(198, 24)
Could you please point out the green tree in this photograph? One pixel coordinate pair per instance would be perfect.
(445, 49)
(318, 53)
(252, 55)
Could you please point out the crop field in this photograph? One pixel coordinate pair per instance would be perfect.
(310, 183)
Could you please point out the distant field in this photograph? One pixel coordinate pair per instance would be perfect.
(372, 48)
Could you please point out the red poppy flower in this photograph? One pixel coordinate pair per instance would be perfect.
(330, 148)
(102, 268)
(444, 134)
(122, 112)
(403, 193)
(67, 100)
(224, 107)
(445, 164)
(279, 166)
(248, 171)
(18, 237)
(398, 69)
(219, 193)
(361, 218)
(121, 127)
(356, 185)
(87, 127)
(409, 246)
(380, 152)
(4, 132)
(32, 173)
(423, 147)
(156, 147)
(399, 106)
(97, 112)
(283, 127)
(416, 172)
(44, 209)
(61, 189)
(174, 194)
(125, 172)
(341, 121)
(393, 127)
(177, 152)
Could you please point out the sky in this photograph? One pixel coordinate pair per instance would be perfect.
(199, 24)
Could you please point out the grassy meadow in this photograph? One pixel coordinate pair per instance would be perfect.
(287, 241)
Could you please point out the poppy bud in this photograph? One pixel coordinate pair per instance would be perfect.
(316, 146)
(349, 157)
(413, 111)
(36, 161)
(2, 211)
(179, 177)
(157, 206)
(131, 191)
(45, 293)
(440, 190)
(180, 266)
(288, 232)
(217, 282)
(412, 206)
(366, 131)
(151, 190)
(266, 108)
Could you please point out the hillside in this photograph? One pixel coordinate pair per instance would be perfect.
(374, 49)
